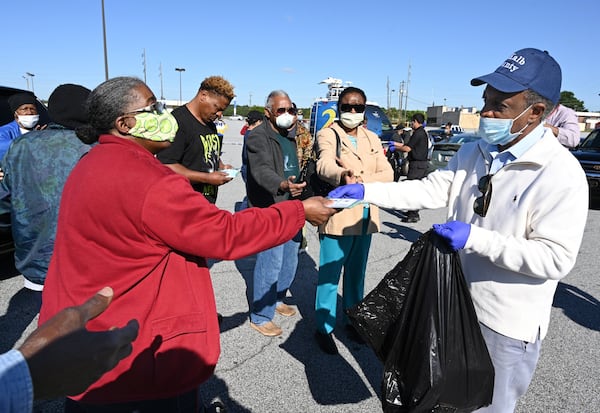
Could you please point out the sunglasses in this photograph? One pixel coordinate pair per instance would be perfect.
(481, 204)
(347, 107)
(156, 107)
(292, 111)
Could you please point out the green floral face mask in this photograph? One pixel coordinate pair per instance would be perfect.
(155, 127)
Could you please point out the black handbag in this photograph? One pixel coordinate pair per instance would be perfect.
(315, 186)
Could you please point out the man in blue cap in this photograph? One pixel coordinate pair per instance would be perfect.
(517, 207)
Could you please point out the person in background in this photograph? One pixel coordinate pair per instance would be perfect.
(272, 169)
(36, 166)
(23, 106)
(418, 149)
(448, 130)
(61, 357)
(128, 221)
(508, 196)
(563, 123)
(196, 152)
(345, 239)
(253, 119)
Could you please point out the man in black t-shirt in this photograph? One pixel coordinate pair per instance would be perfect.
(196, 151)
(417, 149)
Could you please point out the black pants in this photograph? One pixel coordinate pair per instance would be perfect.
(183, 403)
(416, 170)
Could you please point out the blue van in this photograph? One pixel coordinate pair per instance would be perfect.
(324, 111)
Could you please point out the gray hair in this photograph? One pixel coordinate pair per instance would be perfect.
(273, 95)
(106, 103)
(532, 98)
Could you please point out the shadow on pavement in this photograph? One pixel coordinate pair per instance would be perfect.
(331, 379)
(22, 309)
(216, 389)
(578, 305)
(400, 231)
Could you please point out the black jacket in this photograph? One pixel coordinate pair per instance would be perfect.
(265, 167)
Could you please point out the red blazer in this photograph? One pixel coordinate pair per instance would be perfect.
(129, 222)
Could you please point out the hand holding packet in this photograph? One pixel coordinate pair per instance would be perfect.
(231, 173)
(341, 203)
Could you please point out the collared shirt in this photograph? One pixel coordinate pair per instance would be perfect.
(500, 159)
(16, 388)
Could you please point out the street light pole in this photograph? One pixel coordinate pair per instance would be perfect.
(104, 37)
(27, 80)
(180, 69)
(31, 75)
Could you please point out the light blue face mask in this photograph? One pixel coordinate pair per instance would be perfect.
(497, 131)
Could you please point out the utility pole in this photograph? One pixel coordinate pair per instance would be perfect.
(406, 90)
(388, 92)
(144, 63)
(250, 100)
(400, 97)
(160, 74)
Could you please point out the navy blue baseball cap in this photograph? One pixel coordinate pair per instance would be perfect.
(526, 69)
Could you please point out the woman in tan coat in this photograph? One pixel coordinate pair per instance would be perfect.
(345, 238)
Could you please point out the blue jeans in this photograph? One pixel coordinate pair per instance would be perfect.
(351, 253)
(514, 364)
(274, 272)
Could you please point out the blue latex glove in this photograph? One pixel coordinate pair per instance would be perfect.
(456, 233)
(352, 191)
(391, 147)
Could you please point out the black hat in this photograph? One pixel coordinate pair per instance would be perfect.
(67, 105)
(19, 99)
(253, 116)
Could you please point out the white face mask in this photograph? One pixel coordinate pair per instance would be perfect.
(28, 121)
(284, 121)
(351, 120)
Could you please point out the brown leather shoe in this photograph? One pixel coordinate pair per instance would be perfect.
(285, 310)
(269, 329)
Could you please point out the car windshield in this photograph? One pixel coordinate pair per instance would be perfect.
(592, 141)
(462, 138)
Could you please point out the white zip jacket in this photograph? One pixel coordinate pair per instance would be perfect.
(529, 238)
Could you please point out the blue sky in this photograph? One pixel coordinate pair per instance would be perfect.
(264, 45)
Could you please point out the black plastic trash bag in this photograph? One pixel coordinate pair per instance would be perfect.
(421, 323)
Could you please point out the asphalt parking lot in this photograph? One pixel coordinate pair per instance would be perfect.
(290, 374)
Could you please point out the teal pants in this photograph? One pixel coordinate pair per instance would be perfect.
(349, 252)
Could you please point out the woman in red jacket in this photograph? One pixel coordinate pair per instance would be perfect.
(129, 222)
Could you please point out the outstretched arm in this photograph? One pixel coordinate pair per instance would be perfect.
(64, 358)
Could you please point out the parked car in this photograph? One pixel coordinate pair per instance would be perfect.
(588, 155)
(444, 151)
(439, 134)
(6, 116)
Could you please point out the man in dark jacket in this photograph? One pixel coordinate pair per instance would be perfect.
(272, 168)
(417, 149)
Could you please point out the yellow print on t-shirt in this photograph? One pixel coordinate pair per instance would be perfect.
(212, 147)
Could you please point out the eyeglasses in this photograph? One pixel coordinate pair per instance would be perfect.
(347, 107)
(292, 111)
(481, 204)
(156, 107)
